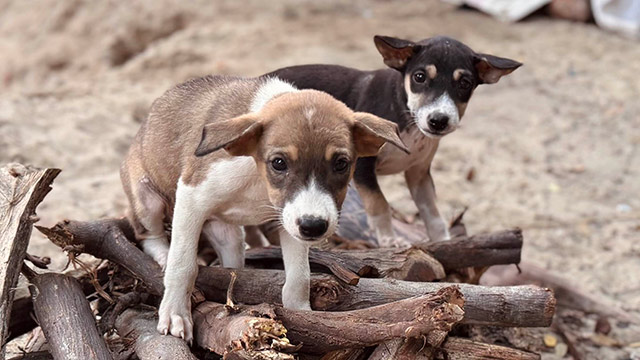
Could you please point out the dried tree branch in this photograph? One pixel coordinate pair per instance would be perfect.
(464, 349)
(502, 306)
(429, 317)
(567, 293)
(21, 191)
(66, 318)
(527, 306)
(139, 326)
(107, 239)
(406, 264)
(241, 332)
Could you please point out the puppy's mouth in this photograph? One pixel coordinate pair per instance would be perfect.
(311, 240)
(435, 134)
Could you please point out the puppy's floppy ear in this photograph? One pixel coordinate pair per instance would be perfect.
(492, 68)
(395, 52)
(238, 136)
(371, 132)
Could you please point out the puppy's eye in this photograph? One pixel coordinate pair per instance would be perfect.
(278, 164)
(465, 84)
(340, 165)
(419, 76)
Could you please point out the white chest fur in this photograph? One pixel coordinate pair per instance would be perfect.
(391, 160)
(233, 191)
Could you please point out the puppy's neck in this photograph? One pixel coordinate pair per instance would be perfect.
(270, 88)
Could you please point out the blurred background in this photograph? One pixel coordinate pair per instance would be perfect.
(551, 148)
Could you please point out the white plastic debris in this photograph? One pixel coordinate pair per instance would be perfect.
(622, 16)
(504, 10)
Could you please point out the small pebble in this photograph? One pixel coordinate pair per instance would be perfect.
(561, 350)
(550, 340)
(603, 326)
(554, 188)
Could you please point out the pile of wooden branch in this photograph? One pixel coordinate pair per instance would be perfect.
(401, 303)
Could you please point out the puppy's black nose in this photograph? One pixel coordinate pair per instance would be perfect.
(438, 122)
(312, 227)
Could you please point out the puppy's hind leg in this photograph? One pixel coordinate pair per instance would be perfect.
(146, 214)
(423, 192)
(228, 241)
(375, 205)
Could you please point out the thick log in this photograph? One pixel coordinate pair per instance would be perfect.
(21, 190)
(107, 239)
(429, 317)
(568, 294)
(452, 349)
(39, 355)
(405, 264)
(241, 332)
(401, 349)
(24, 305)
(139, 327)
(521, 306)
(66, 318)
(502, 247)
(344, 267)
(348, 354)
(464, 349)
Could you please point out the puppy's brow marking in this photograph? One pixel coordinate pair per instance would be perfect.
(457, 74)
(432, 71)
(332, 150)
(291, 151)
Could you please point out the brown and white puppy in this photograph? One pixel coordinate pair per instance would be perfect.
(218, 153)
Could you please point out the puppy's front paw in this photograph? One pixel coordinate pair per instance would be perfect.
(297, 305)
(392, 241)
(175, 318)
(437, 230)
(296, 297)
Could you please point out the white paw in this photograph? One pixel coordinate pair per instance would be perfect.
(392, 241)
(158, 250)
(174, 317)
(161, 259)
(437, 230)
(296, 297)
(297, 305)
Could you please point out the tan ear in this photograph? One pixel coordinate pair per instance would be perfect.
(492, 68)
(371, 132)
(395, 52)
(238, 136)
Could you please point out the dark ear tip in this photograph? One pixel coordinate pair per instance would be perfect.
(380, 40)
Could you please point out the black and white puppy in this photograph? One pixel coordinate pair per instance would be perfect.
(425, 92)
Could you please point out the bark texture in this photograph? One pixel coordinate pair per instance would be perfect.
(66, 318)
(21, 191)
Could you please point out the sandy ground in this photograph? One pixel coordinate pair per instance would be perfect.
(554, 146)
